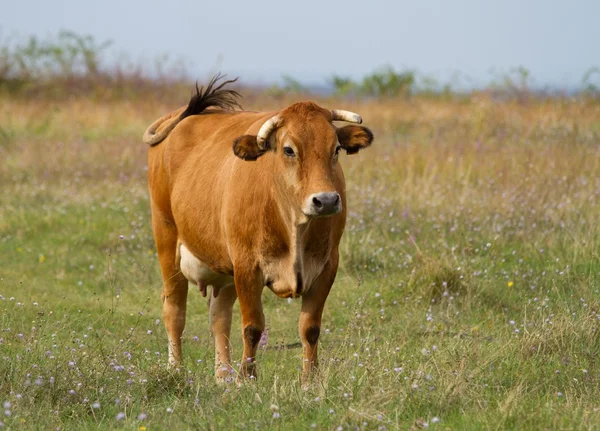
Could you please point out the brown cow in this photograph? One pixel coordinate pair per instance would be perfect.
(241, 200)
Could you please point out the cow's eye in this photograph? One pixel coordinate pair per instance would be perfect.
(289, 151)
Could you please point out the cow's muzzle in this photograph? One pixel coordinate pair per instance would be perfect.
(323, 204)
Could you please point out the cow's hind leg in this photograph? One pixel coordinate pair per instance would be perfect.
(175, 285)
(221, 310)
(309, 325)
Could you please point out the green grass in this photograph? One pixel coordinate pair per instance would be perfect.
(468, 294)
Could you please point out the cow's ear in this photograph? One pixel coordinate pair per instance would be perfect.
(246, 147)
(354, 138)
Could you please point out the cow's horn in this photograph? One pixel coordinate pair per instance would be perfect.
(266, 129)
(341, 115)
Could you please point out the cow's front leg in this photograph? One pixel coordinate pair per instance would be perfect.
(309, 325)
(221, 310)
(249, 286)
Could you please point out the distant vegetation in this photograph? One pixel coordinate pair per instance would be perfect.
(69, 55)
(385, 82)
(70, 64)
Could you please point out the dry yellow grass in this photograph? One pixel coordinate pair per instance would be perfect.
(473, 233)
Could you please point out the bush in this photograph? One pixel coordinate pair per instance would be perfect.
(389, 83)
(385, 82)
(69, 55)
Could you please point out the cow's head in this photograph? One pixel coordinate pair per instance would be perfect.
(305, 146)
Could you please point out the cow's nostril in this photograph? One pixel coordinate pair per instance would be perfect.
(323, 204)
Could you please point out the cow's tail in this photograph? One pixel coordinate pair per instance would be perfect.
(153, 136)
(214, 96)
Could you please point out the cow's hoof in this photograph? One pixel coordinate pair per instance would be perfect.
(310, 378)
(307, 381)
(241, 381)
(248, 370)
(224, 375)
(174, 366)
(247, 374)
(224, 380)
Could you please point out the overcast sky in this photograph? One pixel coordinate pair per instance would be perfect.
(558, 41)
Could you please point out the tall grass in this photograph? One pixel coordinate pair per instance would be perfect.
(467, 295)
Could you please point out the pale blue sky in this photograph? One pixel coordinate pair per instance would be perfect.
(311, 40)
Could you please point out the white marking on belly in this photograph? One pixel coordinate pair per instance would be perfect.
(196, 271)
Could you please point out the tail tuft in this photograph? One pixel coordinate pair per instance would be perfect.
(213, 96)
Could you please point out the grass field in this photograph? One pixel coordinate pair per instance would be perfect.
(467, 296)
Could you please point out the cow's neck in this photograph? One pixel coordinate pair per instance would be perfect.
(297, 227)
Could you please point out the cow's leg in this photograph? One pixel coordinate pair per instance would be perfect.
(309, 325)
(175, 285)
(221, 310)
(249, 289)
